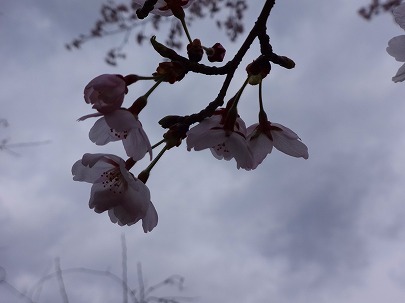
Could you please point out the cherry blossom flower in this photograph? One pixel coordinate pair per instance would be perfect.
(106, 92)
(263, 136)
(121, 125)
(223, 143)
(115, 189)
(162, 7)
(396, 46)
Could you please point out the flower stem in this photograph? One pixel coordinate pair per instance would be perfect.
(262, 113)
(153, 88)
(157, 144)
(146, 77)
(183, 23)
(154, 161)
(238, 94)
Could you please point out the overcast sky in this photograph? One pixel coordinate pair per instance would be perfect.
(328, 229)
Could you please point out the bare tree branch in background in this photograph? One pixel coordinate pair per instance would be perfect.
(8, 147)
(376, 7)
(121, 19)
(143, 295)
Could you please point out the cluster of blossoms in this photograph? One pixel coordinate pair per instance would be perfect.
(396, 46)
(218, 128)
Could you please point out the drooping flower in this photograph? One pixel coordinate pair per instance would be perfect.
(396, 46)
(163, 7)
(263, 136)
(121, 125)
(224, 143)
(106, 92)
(115, 189)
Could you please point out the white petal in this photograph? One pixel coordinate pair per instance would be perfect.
(102, 199)
(92, 166)
(93, 159)
(396, 48)
(238, 148)
(286, 131)
(400, 75)
(122, 120)
(137, 144)
(208, 139)
(150, 220)
(202, 127)
(399, 15)
(293, 147)
(133, 206)
(121, 216)
(260, 147)
(89, 116)
(101, 133)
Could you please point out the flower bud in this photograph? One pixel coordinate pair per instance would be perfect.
(168, 121)
(257, 70)
(287, 62)
(216, 53)
(195, 50)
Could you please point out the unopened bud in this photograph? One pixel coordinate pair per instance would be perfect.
(216, 53)
(257, 70)
(195, 50)
(287, 62)
(168, 121)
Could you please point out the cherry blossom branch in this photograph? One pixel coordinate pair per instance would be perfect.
(232, 65)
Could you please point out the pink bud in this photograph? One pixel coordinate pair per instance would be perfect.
(216, 53)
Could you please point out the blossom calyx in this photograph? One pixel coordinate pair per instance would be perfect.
(138, 105)
(170, 71)
(175, 135)
(258, 70)
(106, 92)
(131, 79)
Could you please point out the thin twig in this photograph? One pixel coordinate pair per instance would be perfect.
(62, 288)
(124, 269)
